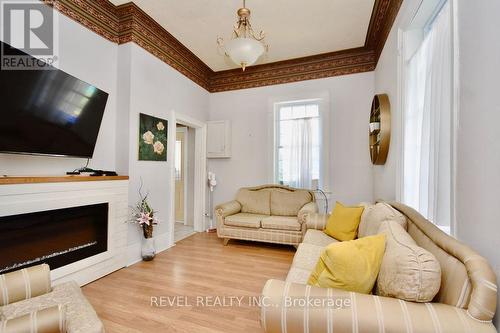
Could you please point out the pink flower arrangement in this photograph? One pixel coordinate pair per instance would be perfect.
(143, 215)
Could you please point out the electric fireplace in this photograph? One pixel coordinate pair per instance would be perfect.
(57, 237)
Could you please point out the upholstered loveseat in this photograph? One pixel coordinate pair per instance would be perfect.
(466, 300)
(267, 213)
(29, 303)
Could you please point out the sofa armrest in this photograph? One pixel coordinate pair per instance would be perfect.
(316, 221)
(313, 309)
(308, 208)
(24, 283)
(48, 320)
(228, 208)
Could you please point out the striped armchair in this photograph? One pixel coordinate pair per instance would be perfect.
(466, 301)
(28, 303)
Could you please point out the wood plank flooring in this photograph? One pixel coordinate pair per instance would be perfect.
(182, 231)
(197, 266)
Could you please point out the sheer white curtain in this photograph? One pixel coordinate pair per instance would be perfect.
(427, 125)
(299, 154)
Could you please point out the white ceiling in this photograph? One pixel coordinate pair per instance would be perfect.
(294, 28)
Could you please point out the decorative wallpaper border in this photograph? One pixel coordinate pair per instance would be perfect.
(128, 23)
(383, 16)
(307, 68)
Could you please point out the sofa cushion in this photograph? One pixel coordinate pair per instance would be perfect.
(24, 283)
(408, 271)
(373, 215)
(343, 222)
(245, 220)
(298, 275)
(287, 203)
(318, 238)
(307, 256)
(80, 316)
(254, 202)
(281, 223)
(350, 265)
(50, 319)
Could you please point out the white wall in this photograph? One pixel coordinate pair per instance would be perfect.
(90, 58)
(478, 146)
(155, 89)
(250, 114)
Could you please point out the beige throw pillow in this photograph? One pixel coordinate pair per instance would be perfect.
(408, 272)
(373, 215)
(254, 202)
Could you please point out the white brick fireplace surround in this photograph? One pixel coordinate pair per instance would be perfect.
(21, 198)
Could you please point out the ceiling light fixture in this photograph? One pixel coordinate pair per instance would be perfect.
(245, 47)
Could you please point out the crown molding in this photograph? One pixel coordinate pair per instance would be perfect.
(383, 16)
(100, 16)
(319, 66)
(128, 23)
(136, 26)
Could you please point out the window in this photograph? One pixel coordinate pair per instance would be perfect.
(298, 144)
(427, 148)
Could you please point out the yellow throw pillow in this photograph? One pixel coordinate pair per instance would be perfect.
(352, 265)
(343, 222)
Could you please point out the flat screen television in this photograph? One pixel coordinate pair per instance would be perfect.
(48, 112)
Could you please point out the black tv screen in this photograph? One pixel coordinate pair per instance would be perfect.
(48, 112)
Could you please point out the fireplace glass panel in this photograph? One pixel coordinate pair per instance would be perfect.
(56, 237)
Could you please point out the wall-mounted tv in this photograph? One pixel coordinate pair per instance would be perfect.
(48, 112)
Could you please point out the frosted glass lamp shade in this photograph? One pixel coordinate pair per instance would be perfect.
(244, 51)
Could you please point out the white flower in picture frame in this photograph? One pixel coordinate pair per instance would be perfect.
(158, 147)
(160, 126)
(148, 137)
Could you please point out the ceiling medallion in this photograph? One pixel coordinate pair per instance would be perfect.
(245, 47)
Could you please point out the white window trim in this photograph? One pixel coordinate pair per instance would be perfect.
(323, 98)
(401, 79)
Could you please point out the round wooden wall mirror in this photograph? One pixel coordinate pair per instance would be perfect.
(380, 129)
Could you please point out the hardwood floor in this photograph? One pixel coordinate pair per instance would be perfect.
(182, 231)
(197, 266)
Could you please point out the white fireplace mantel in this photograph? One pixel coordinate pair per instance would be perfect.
(20, 197)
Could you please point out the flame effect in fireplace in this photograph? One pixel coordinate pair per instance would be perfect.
(43, 258)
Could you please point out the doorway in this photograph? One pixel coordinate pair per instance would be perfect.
(197, 134)
(184, 182)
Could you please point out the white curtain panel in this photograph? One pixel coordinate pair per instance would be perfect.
(427, 128)
(300, 154)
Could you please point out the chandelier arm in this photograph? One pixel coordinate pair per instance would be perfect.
(260, 37)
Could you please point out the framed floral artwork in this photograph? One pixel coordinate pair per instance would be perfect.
(153, 133)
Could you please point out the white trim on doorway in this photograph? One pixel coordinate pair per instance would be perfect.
(184, 169)
(200, 170)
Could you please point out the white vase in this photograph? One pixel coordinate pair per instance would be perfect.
(148, 250)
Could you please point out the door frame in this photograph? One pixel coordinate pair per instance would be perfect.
(184, 166)
(200, 171)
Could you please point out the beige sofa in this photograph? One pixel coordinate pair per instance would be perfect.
(28, 301)
(267, 213)
(466, 300)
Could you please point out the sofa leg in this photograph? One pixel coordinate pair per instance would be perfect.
(225, 241)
